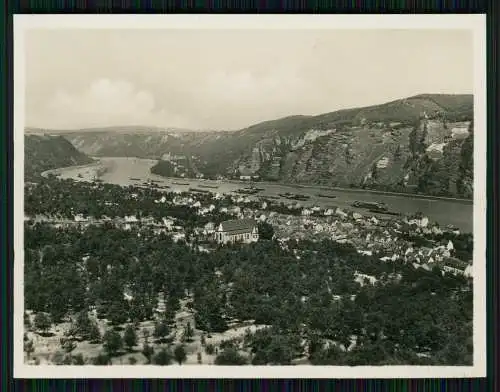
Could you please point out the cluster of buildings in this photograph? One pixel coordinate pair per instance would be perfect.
(371, 235)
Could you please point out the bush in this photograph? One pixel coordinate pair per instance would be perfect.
(164, 357)
(130, 337)
(147, 351)
(78, 359)
(230, 356)
(180, 354)
(102, 360)
(132, 360)
(58, 358)
(42, 322)
(112, 342)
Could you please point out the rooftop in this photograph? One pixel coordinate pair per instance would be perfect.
(238, 225)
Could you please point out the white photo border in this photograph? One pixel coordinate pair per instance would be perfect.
(476, 23)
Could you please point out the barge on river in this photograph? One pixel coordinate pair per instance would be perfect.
(293, 196)
(326, 196)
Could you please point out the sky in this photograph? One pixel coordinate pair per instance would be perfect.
(231, 79)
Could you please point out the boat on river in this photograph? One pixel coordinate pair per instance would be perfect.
(294, 196)
(249, 190)
(198, 190)
(326, 196)
(385, 212)
(375, 206)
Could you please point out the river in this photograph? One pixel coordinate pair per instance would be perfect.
(122, 171)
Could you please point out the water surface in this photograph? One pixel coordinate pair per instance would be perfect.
(121, 171)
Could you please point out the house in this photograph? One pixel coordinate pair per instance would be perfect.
(81, 218)
(328, 212)
(178, 236)
(244, 230)
(455, 266)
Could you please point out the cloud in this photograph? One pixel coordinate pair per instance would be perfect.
(245, 86)
(220, 79)
(241, 98)
(106, 102)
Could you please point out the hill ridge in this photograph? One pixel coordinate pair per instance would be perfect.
(419, 144)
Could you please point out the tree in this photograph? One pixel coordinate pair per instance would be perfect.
(374, 171)
(130, 337)
(209, 304)
(83, 324)
(180, 354)
(29, 348)
(147, 351)
(273, 347)
(397, 152)
(266, 231)
(414, 149)
(230, 356)
(27, 321)
(117, 313)
(94, 333)
(315, 344)
(112, 342)
(328, 356)
(164, 357)
(68, 345)
(169, 316)
(210, 349)
(188, 333)
(161, 330)
(42, 322)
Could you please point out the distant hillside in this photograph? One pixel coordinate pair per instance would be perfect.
(49, 152)
(374, 147)
(116, 129)
(139, 143)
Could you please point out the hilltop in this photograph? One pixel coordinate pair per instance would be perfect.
(116, 129)
(43, 152)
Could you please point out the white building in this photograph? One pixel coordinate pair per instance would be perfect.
(244, 230)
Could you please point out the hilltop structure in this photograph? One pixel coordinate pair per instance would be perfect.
(244, 230)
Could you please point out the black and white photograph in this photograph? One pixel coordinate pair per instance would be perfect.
(250, 196)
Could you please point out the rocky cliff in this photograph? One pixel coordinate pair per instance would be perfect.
(430, 157)
(418, 144)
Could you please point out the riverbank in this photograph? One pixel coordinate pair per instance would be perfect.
(59, 170)
(357, 190)
(445, 211)
(284, 184)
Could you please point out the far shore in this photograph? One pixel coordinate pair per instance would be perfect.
(355, 190)
(56, 171)
(308, 186)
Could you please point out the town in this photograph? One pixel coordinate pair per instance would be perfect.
(143, 275)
